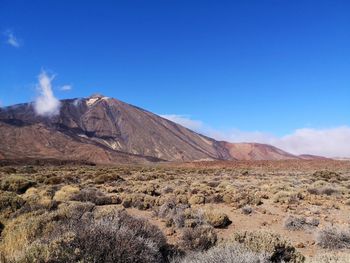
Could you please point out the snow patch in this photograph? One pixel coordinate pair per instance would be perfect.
(114, 145)
(91, 101)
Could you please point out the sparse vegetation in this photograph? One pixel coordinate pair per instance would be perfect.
(333, 237)
(224, 254)
(276, 248)
(190, 214)
(199, 238)
(300, 223)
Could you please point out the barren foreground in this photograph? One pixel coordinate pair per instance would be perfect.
(271, 211)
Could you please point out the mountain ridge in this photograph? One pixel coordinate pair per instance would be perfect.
(106, 130)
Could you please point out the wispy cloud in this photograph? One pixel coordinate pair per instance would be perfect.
(11, 39)
(184, 121)
(46, 104)
(328, 142)
(66, 87)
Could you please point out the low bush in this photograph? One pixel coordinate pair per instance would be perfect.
(333, 238)
(330, 258)
(66, 193)
(300, 223)
(326, 175)
(286, 197)
(137, 200)
(199, 238)
(92, 195)
(327, 190)
(216, 219)
(16, 183)
(108, 178)
(274, 246)
(10, 202)
(247, 210)
(74, 234)
(223, 254)
(197, 199)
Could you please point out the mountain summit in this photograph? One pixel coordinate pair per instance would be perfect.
(105, 130)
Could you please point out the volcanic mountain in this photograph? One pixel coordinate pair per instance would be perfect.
(105, 130)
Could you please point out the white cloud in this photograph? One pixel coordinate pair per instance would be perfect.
(66, 87)
(11, 39)
(184, 121)
(332, 142)
(329, 142)
(46, 103)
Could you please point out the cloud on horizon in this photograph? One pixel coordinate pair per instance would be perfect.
(46, 104)
(328, 142)
(66, 87)
(183, 120)
(11, 39)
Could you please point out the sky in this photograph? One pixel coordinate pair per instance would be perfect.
(271, 71)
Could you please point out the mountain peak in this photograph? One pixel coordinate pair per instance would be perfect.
(96, 96)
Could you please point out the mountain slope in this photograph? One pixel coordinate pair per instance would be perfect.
(256, 151)
(107, 130)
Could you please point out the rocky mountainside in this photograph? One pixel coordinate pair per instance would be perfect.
(105, 130)
(256, 151)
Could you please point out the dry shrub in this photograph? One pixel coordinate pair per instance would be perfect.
(276, 248)
(332, 237)
(148, 189)
(167, 190)
(300, 223)
(244, 198)
(16, 183)
(38, 196)
(52, 180)
(139, 201)
(216, 219)
(174, 213)
(179, 215)
(28, 169)
(8, 170)
(92, 195)
(10, 202)
(330, 258)
(285, 197)
(223, 254)
(108, 178)
(326, 190)
(213, 184)
(199, 238)
(326, 175)
(215, 198)
(73, 234)
(197, 199)
(66, 193)
(247, 210)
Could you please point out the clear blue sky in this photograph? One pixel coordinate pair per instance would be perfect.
(267, 65)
